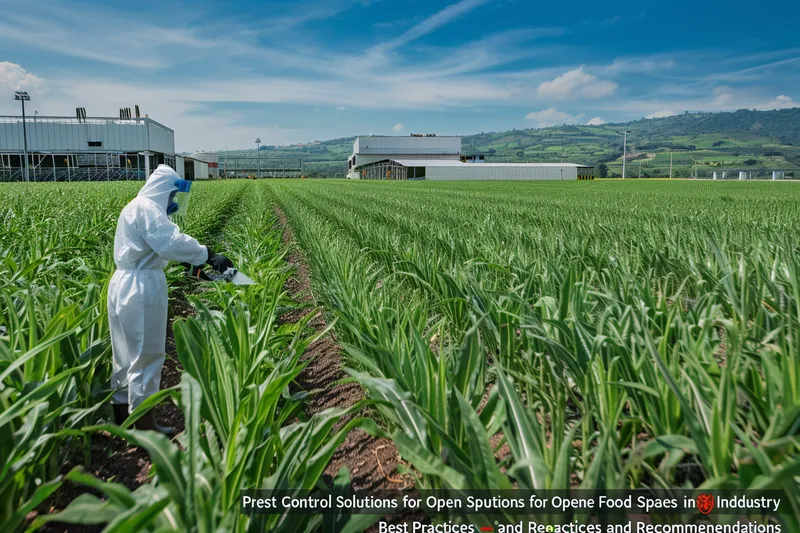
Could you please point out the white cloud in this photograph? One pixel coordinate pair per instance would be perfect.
(575, 84)
(340, 108)
(662, 114)
(15, 78)
(780, 102)
(398, 127)
(552, 117)
(596, 121)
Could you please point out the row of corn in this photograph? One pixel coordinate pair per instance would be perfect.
(245, 426)
(538, 335)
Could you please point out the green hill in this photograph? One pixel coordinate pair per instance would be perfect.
(758, 141)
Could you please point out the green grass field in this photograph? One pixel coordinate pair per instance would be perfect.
(605, 334)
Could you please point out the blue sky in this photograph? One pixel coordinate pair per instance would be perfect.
(223, 73)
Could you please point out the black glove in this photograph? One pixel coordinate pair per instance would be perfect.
(196, 271)
(219, 262)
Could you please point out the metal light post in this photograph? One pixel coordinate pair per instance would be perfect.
(670, 165)
(624, 151)
(23, 97)
(258, 157)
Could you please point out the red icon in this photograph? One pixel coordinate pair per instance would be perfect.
(705, 503)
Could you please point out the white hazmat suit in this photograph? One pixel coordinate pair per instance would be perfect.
(145, 241)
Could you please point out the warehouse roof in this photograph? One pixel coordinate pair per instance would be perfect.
(412, 136)
(456, 163)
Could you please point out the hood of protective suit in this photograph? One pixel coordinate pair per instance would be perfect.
(160, 185)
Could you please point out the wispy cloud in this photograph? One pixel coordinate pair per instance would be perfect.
(431, 24)
(640, 65)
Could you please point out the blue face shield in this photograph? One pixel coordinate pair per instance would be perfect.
(172, 205)
(178, 204)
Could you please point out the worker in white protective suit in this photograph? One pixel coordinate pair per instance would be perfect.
(145, 241)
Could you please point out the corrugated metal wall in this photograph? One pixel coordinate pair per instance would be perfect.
(200, 170)
(408, 145)
(366, 159)
(507, 172)
(161, 139)
(46, 134)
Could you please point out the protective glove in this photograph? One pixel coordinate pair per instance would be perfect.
(219, 262)
(196, 271)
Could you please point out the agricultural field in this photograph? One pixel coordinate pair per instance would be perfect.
(536, 335)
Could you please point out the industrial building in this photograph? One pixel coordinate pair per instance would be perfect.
(82, 148)
(190, 168)
(211, 160)
(376, 148)
(428, 157)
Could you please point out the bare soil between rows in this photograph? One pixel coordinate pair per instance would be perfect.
(372, 462)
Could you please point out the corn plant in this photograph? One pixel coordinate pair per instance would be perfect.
(245, 428)
(55, 359)
(653, 324)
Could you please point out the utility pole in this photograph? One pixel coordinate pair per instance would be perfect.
(670, 165)
(640, 169)
(624, 151)
(258, 157)
(23, 97)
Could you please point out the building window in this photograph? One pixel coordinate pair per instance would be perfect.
(95, 144)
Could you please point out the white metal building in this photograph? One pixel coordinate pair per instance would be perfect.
(83, 148)
(374, 148)
(439, 158)
(212, 161)
(422, 169)
(190, 168)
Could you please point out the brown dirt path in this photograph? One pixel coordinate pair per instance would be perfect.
(371, 461)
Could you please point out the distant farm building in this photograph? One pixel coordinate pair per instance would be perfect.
(82, 148)
(192, 169)
(429, 157)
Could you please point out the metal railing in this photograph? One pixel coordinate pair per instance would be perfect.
(73, 174)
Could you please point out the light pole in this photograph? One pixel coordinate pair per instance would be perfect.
(670, 165)
(23, 97)
(624, 151)
(258, 157)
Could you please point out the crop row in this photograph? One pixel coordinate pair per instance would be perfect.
(650, 330)
(245, 428)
